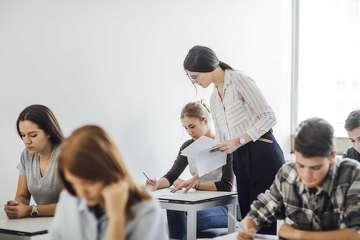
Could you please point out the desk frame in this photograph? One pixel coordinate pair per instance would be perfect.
(230, 201)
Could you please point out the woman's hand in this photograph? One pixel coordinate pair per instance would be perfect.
(116, 196)
(228, 146)
(177, 182)
(188, 184)
(17, 210)
(152, 184)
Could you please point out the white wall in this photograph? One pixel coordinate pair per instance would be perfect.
(119, 64)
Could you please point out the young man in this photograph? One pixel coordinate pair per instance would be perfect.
(352, 126)
(318, 195)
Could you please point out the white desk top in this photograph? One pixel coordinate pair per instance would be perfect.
(191, 196)
(25, 226)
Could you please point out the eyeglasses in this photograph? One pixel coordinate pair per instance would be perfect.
(192, 76)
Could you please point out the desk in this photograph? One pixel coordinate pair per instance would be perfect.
(192, 202)
(25, 228)
(257, 237)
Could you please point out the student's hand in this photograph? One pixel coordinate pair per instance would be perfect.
(18, 210)
(288, 232)
(152, 184)
(116, 196)
(245, 235)
(188, 184)
(228, 146)
(177, 182)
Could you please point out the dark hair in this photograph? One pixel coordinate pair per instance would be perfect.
(91, 154)
(352, 121)
(203, 59)
(45, 119)
(195, 110)
(314, 138)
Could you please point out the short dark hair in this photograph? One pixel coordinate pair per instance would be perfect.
(314, 138)
(353, 120)
(203, 59)
(45, 119)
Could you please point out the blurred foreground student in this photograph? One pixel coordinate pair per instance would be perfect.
(101, 200)
(318, 195)
(352, 126)
(41, 134)
(195, 118)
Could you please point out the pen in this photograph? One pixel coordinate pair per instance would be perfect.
(146, 176)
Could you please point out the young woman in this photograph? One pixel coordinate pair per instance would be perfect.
(243, 122)
(101, 200)
(195, 119)
(41, 134)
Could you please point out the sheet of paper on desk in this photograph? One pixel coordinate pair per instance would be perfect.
(199, 155)
(191, 196)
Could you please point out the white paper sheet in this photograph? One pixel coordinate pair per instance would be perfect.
(200, 157)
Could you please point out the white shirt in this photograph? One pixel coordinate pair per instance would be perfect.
(74, 221)
(243, 109)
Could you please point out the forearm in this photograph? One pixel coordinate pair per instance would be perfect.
(206, 186)
(342, 234)
(266, 121)
(116, 228)
(46, 210)
(23, 199)
(163, 183)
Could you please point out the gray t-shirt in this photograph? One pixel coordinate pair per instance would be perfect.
(45, 189)
(74, 220)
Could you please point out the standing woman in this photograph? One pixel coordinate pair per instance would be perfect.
(243, 122)
(41, 134)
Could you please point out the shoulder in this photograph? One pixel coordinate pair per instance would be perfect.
(287, 173)
(56, 152)
(187, 143)
(148, 209)
(236, 77)
(347, 169)
(352, 153)
(26, 157)
(67, 199)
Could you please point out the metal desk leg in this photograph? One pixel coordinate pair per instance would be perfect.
(231, 222)
(191, 224)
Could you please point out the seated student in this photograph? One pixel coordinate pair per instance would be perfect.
(352, 126)
(101, 200)
(195, 119)
(41, 134)
(318, 195)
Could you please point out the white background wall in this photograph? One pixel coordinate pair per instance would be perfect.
(119, 64)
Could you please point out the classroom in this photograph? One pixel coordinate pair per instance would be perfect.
(265, 90)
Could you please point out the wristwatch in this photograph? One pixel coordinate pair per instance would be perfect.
(34, 211)
(242, 141)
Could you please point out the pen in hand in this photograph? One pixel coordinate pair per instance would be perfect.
(146, 176)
